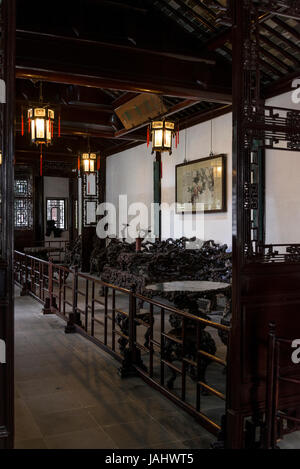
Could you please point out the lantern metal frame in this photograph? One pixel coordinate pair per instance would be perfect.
(41, 123)
(162, 133)
(88, 162)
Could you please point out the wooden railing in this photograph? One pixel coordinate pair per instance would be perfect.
(172, 350)
(278, 422)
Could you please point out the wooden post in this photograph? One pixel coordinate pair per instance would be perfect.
(270, 417)
(157, 194)
(25, 288)
(74, 317)
(47, 309)
(7, 117)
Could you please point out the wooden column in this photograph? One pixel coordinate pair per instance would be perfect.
(157, 193)
(73, 197)
(39, 211)
(7, 111)
(88, 232)
(234, 417)
(265, 288)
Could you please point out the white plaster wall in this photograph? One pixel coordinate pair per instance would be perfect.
(131, 173)
(217, 226)
(282, 188)
(56, 187)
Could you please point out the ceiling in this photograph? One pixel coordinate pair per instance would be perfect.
(94, 56)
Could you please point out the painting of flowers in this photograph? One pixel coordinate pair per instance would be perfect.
(201, 184)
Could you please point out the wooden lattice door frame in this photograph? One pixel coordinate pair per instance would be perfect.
(7, 141)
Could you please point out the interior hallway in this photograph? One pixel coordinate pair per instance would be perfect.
(69, 395)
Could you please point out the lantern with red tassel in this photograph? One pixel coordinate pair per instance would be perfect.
(59, 125)
(40, 124)
(162, 132)
(89, 162)
(148, 135)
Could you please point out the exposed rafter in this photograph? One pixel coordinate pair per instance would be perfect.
(167, 89)
(176, 108)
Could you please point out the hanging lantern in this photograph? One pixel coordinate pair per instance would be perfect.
(162, 132)
(40, 122)
(89, 162)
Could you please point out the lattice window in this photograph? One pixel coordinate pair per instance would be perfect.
(22, 188)
(23, 206)
(56, 211)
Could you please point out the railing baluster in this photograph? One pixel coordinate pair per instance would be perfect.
(151, 342)
(183, 364)
(59, 288)
(198, 390)
(86, 304)
(40, 280)
(93, 310)
(270, 416)
(113, 320)
(162, 346)
(105, 314)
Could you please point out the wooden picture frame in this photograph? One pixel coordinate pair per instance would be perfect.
(201, 181)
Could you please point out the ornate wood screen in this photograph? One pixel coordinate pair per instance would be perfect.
(265, 282)
(7, 71)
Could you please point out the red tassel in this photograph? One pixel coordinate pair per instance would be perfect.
(41, 162)
(51, 129)
(59, 125)
(22, 124)
(78, 163)
(176, 140)
(98, 164)
(148, 136)
(178, 136)
(29, 123)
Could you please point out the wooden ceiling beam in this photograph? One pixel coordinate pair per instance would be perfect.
(162, 87)
(219, 40)
(173, 110)
(122, 6)
(294, 32)
(121, 67)
(281, 38)
(46, 37)
(281, 86)
(123, 99)
(275, 59)
(183, 124)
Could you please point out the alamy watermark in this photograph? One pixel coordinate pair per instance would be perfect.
(131, 221)
(296, 92)
(296, 353)
(2, 352)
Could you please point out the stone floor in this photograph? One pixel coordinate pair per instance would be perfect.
(69, 395)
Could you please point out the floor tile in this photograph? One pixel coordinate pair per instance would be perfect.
(139, 434)
(65, 422)
(181, 426)
(123, 412)
(55, 402)
(42, 386)
(31, 444)
(26, 427)
(86, 439)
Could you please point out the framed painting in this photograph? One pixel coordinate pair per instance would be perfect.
(201, 181)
